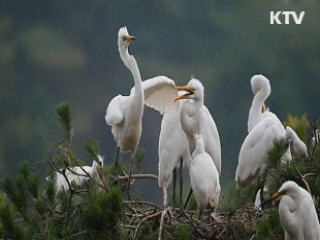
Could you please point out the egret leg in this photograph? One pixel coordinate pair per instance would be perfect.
(130, 172)
(181, 182)
(262, 198)
(174, 188)
(116, 162)
(209, 215)
(165, 197)
(188, 198)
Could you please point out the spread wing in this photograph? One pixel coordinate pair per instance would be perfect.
(159, 92)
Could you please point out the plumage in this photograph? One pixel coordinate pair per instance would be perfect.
(264, 129)
(196, 119)
(160, 93)
(124, 113)
(297, 212)
(298, 147)
(79, 175)
(204, 177)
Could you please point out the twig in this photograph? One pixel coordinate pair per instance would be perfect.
(128, 226)
(143, 203)
(143, 220)
(193, 225)
(161, 223)
(140, 176)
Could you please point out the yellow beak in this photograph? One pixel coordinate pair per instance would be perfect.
(277, 196)
(130, 39)
(190, 91)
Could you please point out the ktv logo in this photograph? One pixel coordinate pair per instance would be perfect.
(286, 17)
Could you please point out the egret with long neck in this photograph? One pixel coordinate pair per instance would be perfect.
(124, 113)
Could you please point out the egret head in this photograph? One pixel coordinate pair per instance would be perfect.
(260, 83)
(97, 165)
(288, 188)
(124, 39)
(194, 90)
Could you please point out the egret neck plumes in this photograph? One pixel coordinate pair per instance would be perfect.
(261, 89)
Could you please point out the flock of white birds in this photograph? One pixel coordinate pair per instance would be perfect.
(189, 137)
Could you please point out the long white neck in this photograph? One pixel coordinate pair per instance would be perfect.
(261, 88)
(190, 120)
(132, 65)
(199, 146)
(255, 111)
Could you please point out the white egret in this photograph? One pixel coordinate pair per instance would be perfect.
(204, 177)
(160, 93)
(124, 113)
(298, 147)
(79, 175)
(264, 129)
(297, 212)
(196, 119)
(173, 142)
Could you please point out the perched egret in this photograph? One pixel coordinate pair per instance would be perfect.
(264, 129)
(204, 177)
(173, 142)
(196, 119)
(124, 113)
(79, 175)
(297, 212)
(160, 93)
(298, 147)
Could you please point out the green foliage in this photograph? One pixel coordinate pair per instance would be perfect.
(270, 226)
(93, 147)
(65, 119)
(299, 124)
(103, 212)
(184, 232)
(234, 198)
(139, 158)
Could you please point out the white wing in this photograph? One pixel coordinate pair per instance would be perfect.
(254, 149)
(114, 114)
(210, 134)
(159, 92)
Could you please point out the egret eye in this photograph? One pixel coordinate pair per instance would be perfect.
(124, 38)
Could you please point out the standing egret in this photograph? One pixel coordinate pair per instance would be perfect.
(264, 129)
(196, 119)
(298, 147)
(79, 175)
(124, 113)
(173, 142)
(297, 212)
(204, 177)
(160, 93)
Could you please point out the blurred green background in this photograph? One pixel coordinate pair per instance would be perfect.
(66, 51)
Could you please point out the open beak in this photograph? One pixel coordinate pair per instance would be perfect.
(189, 92)
(130, 39)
